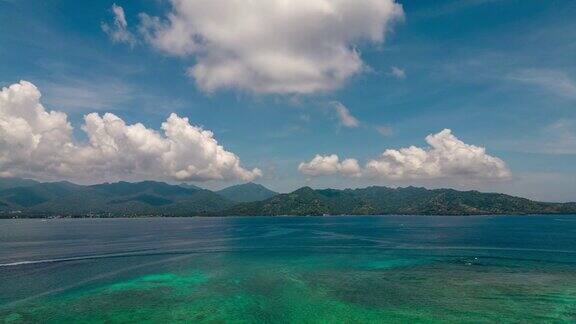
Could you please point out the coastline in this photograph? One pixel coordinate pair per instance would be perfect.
(288, 216)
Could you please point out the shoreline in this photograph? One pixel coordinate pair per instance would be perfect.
(290, 216)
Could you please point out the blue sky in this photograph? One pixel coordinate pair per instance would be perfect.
(498, 74)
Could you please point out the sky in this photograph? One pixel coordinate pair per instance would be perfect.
(467, 94)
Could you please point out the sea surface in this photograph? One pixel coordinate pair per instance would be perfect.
(356, 269)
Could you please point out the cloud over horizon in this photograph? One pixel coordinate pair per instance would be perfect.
(329, 165)
(39, 144)
(270, 46)
(447, 157)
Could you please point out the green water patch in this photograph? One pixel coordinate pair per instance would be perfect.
(457, 292)
(394, 263)
(158, 281)
(320, 288)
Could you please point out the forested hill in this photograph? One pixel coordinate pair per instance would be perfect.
(383, 200)
(26, 198)
(247, 192)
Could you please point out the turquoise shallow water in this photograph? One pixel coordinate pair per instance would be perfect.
(396, 269)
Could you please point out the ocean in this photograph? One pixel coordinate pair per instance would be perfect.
(341, 269)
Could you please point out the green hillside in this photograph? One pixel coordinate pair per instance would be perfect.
(383, 200)
(150, 198)
(247, 192)
(110, 199)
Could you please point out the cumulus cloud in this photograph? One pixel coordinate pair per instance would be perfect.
(39, 144)
(344, 115)
(397, 72)
(271, 46)
(446, 157)
(329, 165)
(118, 29)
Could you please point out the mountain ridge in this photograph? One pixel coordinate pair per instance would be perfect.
(375, 200)
(110, 199)
(153, 198)
(247, 192)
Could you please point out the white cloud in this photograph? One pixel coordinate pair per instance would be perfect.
(344, 115)
(447, 157)
(329, 165)
(397, 72)
(271, 46)
(556, 82)
(39, 144)
(118, 30)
